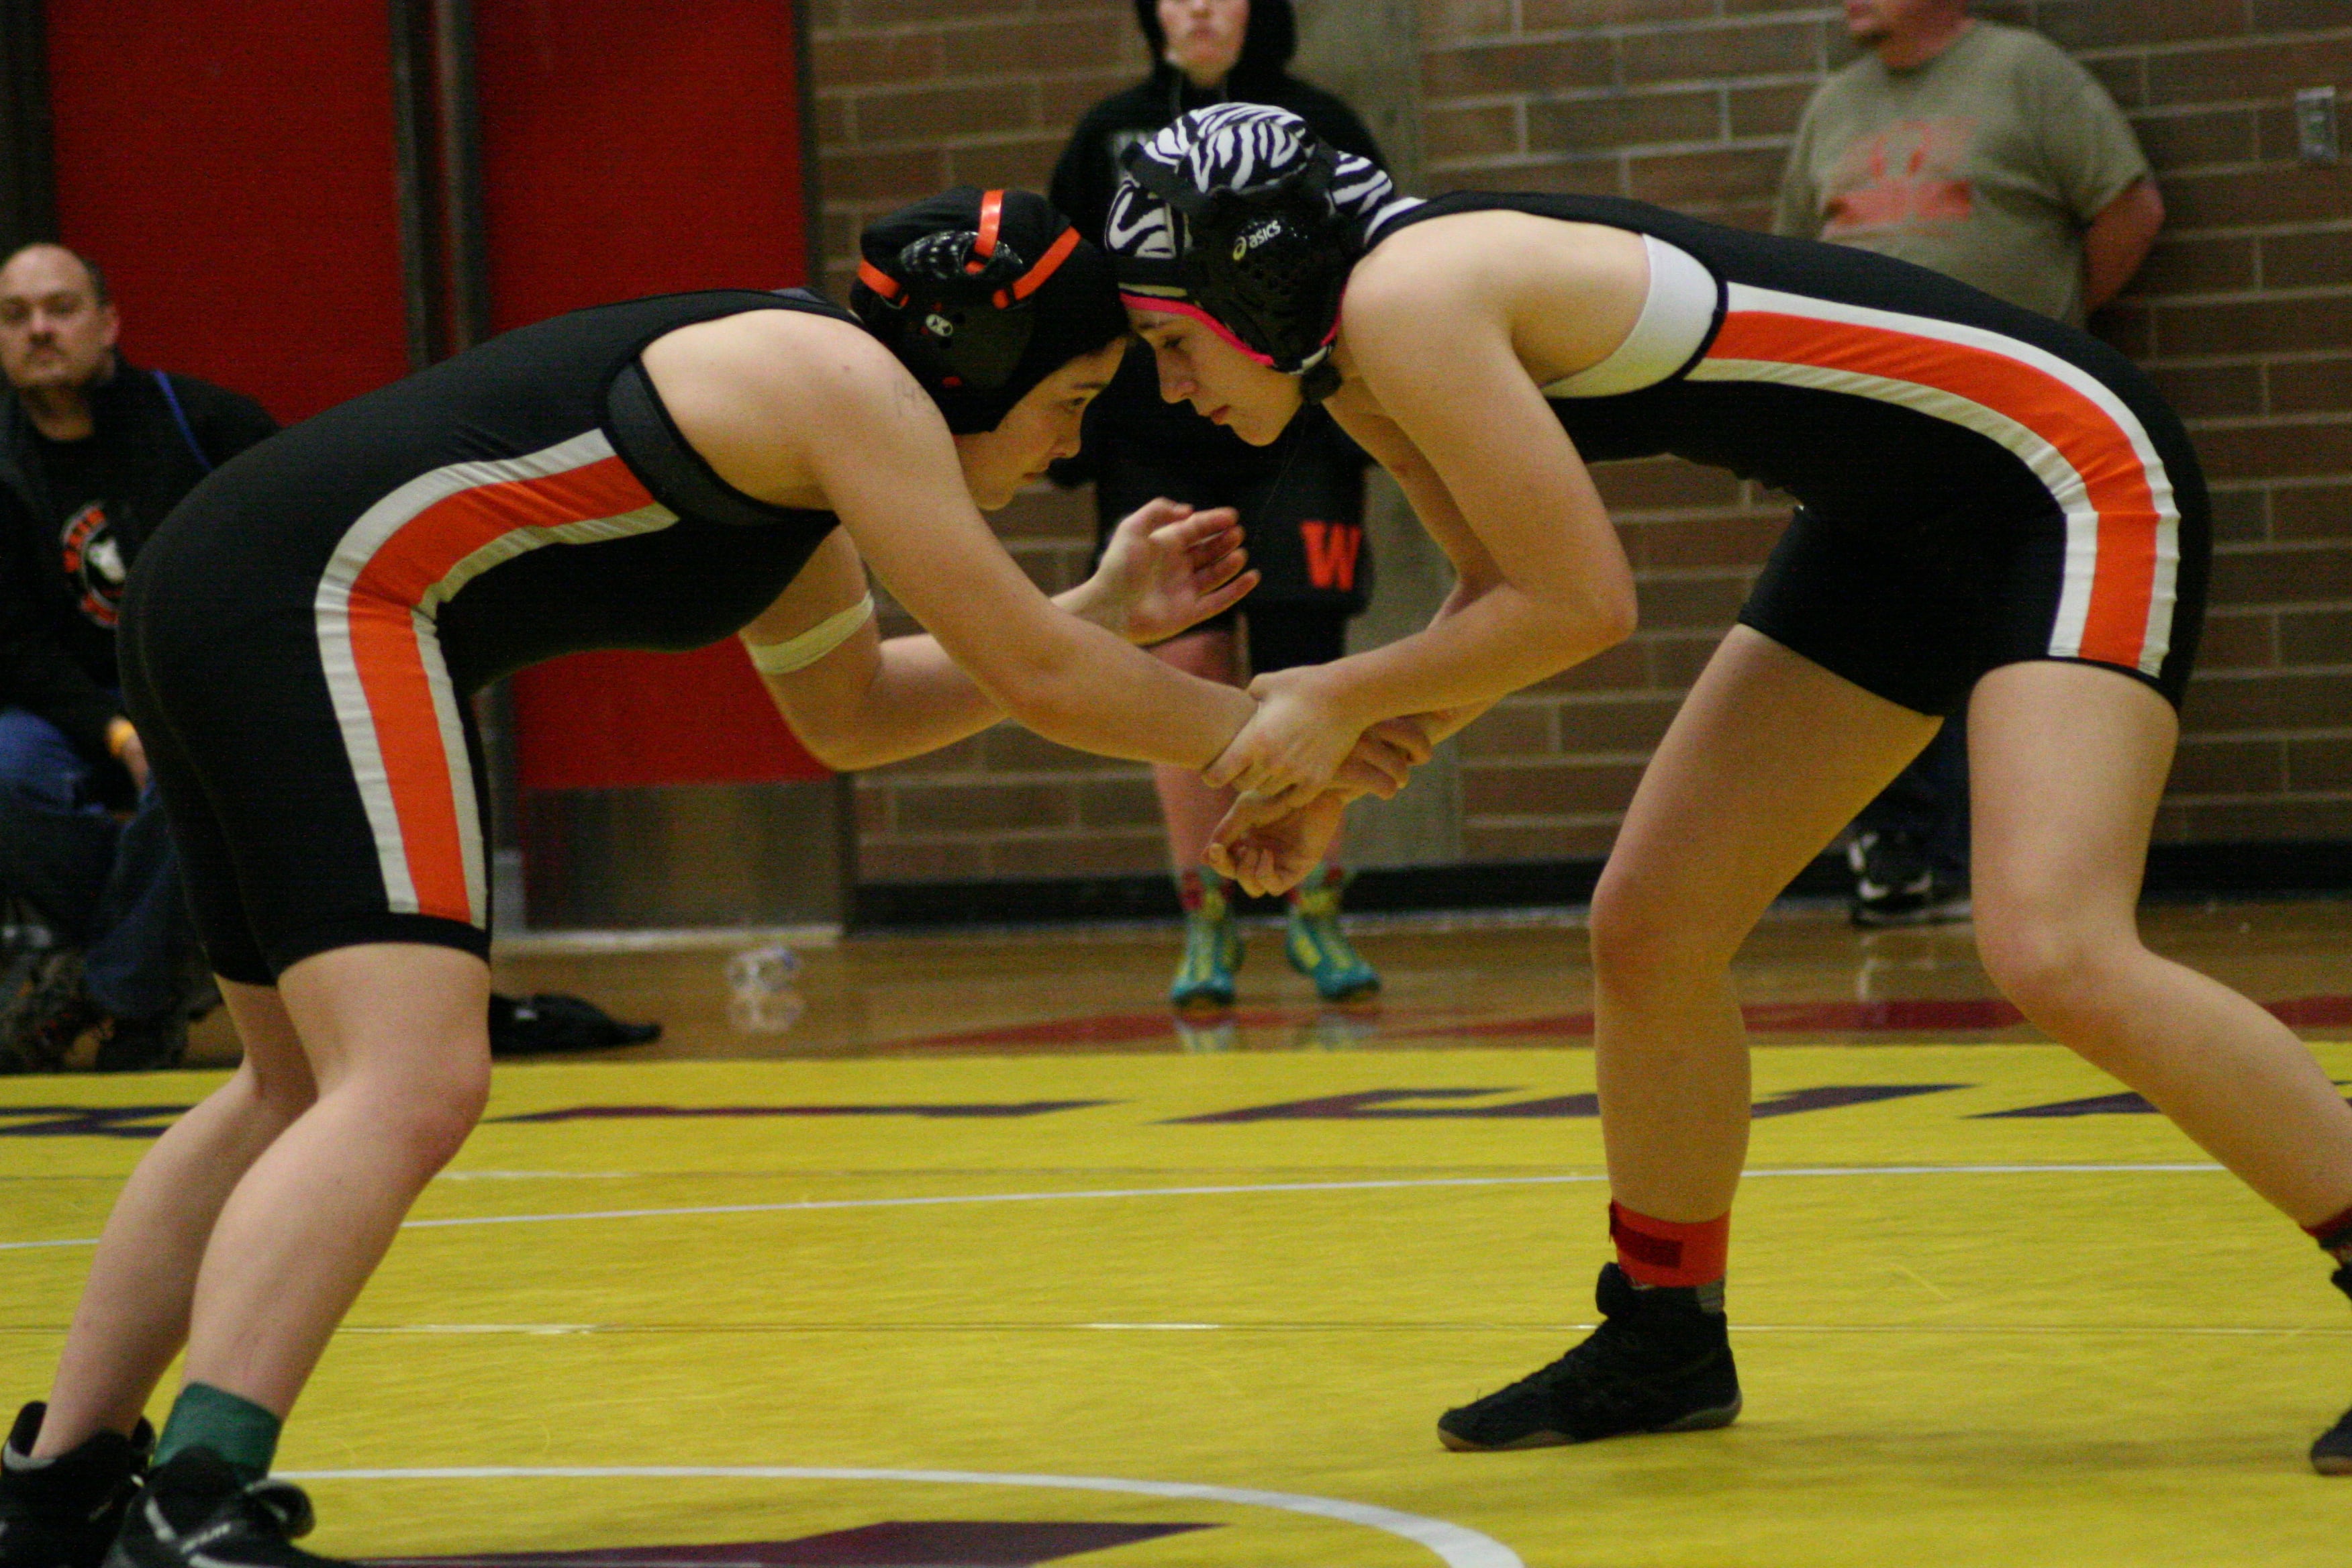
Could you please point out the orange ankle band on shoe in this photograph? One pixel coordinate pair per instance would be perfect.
(2334, 1235)
(1668, 1252)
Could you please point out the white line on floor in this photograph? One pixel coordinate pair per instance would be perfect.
(943, 1200)
(1454, 1545)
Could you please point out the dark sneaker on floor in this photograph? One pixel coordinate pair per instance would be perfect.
(64, 1512)
(1895, 884)
(41, 1023)
(143, 1045)
(1660, 1362)
(197, 1512)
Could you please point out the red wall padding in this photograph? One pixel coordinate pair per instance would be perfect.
(230, 163)
(632, 149)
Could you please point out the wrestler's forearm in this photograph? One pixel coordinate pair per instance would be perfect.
(1478, 651)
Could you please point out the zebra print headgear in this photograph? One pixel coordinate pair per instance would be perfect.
(1239, 214)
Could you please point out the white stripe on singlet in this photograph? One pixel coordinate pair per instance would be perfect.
(361, 546)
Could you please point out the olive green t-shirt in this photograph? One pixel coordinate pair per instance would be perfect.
(1985, 163)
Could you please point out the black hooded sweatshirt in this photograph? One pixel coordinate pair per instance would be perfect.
(1130, 415)
(64, 554)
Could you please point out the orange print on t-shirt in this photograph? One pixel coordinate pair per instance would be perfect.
(1913, 172)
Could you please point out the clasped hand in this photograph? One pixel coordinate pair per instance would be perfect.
(1296, 765)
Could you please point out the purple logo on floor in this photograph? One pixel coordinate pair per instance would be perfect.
(943, 1544)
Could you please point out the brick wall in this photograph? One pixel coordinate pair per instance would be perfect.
(2243, 313)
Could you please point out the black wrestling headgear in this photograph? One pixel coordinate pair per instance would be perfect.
(982, 295)
(1240, 211)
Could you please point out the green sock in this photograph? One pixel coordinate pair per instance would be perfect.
(236, 1430)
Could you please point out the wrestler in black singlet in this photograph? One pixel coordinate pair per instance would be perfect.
(300, 637)
(1978, 485)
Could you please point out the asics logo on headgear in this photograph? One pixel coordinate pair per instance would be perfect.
(1250, 239)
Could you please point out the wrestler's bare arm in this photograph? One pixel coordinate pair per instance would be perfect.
(1440, 399)
(827, 418)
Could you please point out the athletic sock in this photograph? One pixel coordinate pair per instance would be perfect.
(1317, 881)
(1669, 1254)
(241, 1432)
(1194, 886)
(2335, 1239)
(2334, 1236)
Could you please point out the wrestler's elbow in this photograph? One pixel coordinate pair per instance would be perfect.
(1590, 621)
(837, 741)
(1615, 616)
(842, 754)
(1038, 684)
(835, 720)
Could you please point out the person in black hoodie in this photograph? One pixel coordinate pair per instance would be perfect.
(94, 452)
(1301, 501)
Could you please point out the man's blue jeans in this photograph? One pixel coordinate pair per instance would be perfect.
(111, 887)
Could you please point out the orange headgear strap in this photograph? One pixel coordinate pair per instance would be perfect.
(881, 282)
(991, 224)
(1029, 282)
(991, 220)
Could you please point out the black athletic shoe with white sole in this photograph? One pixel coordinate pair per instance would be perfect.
(64, 1512)
(1660, 1362)
(2332, 1454)
(198, 1512)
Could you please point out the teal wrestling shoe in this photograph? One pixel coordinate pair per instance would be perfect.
(1318, 949)
(1212, 942)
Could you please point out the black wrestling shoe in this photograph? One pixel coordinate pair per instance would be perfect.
(2332, 1454)
(1660, 1362)
(198, 1512)
(63, 1512)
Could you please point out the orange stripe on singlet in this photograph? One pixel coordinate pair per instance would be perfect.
(2114, 477)
(385, 598)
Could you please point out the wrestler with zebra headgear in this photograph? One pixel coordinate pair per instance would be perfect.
(1997, 514)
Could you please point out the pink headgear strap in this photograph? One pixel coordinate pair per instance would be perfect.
(1186, 308)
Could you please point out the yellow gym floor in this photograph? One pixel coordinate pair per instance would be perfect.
(1148, 1310)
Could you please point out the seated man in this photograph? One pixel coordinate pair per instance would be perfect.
(93, 453)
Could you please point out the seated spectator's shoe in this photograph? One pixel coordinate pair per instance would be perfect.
(1660, 1362)
(198, 1512)
(1318, 949)
(143, 1045)
(38, 1030)
(18, 971)
(1896, 884)
(63, 1512)
(1213, 943)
